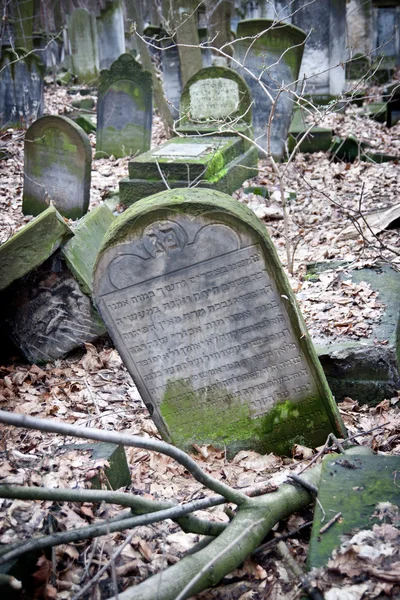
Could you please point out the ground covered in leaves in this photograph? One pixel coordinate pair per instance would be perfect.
(92, 388)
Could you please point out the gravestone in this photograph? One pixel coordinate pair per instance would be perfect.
(271, 51)
(171, 70)
(213, 100)
(111, 33)
(83, 40)
(325, 51)
(124, 109)
(192, 292)
(57, 167)
(21, 88)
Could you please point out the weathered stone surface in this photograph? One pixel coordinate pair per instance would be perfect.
(31, 246)
(215, 99)
(272, 52)
(192, 292)
(116, 474)
(82, 32)
(171, 69)
(317, 139)
(223, 164)
(57, 167)
(80, 252)
(124, 109)
(324, 57)
(86, 120)
(366, 370)
(47, 315)
(353, 485)
(21, 88)
(111, 33)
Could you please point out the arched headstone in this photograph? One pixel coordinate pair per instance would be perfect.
(191, 290)
(272, 52)
(57, 167)
(124, 109)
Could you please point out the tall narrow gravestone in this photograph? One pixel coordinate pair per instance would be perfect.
(190, 288)
(21, 88)
(270, 51)
(124, 109)
(57, 167)
(84, 45)
(111, 33)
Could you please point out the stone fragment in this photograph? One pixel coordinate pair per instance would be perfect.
(114, 476)
(270, 51)
(196, 301)
(31, 246)
(124, 109)
(57, 167)
(353, 485)
(21, 88)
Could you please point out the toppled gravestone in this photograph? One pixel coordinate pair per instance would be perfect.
(367, 370)
(57, 167)
(216, 101)
(196, 301)
(124, 109)
(47, 310)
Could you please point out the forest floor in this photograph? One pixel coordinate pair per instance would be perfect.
(92, 387)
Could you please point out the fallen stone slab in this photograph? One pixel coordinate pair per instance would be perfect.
(354, 486)
(32, 245)
(317, 139)
(367, 370)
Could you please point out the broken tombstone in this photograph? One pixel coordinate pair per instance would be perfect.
(197, 303)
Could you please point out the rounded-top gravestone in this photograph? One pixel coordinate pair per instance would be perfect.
(191, 290)
(57, 167)
(124, 109)
(216, 96)
(268, 54)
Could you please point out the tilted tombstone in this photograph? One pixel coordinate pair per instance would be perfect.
(57, 167)
(325, 51)
(272, 52)
(111, 33)
(124, 109)
(21, 88)
(82, 31)
(191, 290)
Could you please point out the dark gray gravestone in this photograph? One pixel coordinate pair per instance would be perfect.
(272, 52)
(111, 33)
(325, 52)
(124, 109)
(57, 167)
(386, 38)
(193, 294)
(171, 69)
(82, 32)
(21, 88)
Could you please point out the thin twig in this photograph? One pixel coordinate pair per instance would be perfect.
(330, 523)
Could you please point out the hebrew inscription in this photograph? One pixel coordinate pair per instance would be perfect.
(213, 98)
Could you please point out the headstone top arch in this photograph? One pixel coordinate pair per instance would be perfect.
(57, 167)
(124, 109)
(193, 294)
(216, 95)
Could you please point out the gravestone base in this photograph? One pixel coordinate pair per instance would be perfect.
(366, 370)
(223, 167)
(318, 138)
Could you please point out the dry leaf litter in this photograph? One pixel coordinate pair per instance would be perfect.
(93, 388)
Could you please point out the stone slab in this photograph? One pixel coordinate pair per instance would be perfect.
(229, 179)
(47, 315)
(87, 121)
(317, 139)
(32, 245)
(203, 159)
(352, 485)
(366, 370)
(57, 167)
(80, 252)
(116, 474)
(196, 301)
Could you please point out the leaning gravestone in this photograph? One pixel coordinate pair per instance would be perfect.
(21, 88)
(57, 167)
(272, 52)
(84, 45)
(192, 293)
(111, 33)
(124, 109)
